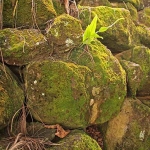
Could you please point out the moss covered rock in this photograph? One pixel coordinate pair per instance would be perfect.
(11, 96)
(57, 93)
(76, 140)
(134, 76)
(138, 4)
(139, 55)
(144, 16)
(143, 33)
(130, 128)
(28, 13)
(20, 47)
(130, 7)
(119, 37)
(108, 85)
(64, 33)
(94, 3)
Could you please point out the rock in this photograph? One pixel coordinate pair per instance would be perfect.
(119, 37)
(143, 34)
(138, 4)
(11, 96)
(27, 13)
(128, 6)
(140, 56)
(108, 86)
(130, 128)
(57, 93)
(76, 140)
(64, 34)
(134, 76)
(144, 16)
(36, 129)
(93, 3)
(19, 47)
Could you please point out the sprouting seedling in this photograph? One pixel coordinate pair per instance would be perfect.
(90, 32)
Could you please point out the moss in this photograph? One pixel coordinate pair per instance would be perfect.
(59, 90)
(24, 16)
(128, 6)
(77, 140)
(144, 16)
(65, 33)
(94, 3)
(11, 96)
(141, 56)
(22, 46)
(143, 35)
(108, 77)
(121, 36)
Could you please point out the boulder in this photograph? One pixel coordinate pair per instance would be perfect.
(139, 58)
(119, 37)
(19, 47)
(57, 93)
(130, 128)
(64, 34)
(138, 4)
(11, 96)
(144, 16)
(143, 34)
(108, 86)
(76, 140)
(29, 14)
(94, 3)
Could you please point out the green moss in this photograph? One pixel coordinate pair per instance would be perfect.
(143, 35)
(62, 97)
(11, 96)
(77, 140)
(24, 16)
(108, 77)
(65, 33)
(123, 33)
(22, 46)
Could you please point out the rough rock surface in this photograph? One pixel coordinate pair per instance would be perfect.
(11, 96)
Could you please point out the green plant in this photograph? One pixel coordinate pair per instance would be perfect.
(90, 32)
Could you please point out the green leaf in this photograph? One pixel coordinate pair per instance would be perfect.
(89, 33)
(103, 29)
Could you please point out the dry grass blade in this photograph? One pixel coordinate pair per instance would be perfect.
(28, 143)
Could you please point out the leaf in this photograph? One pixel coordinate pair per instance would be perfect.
(61, 133)
(103, 29)
(90, 33)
